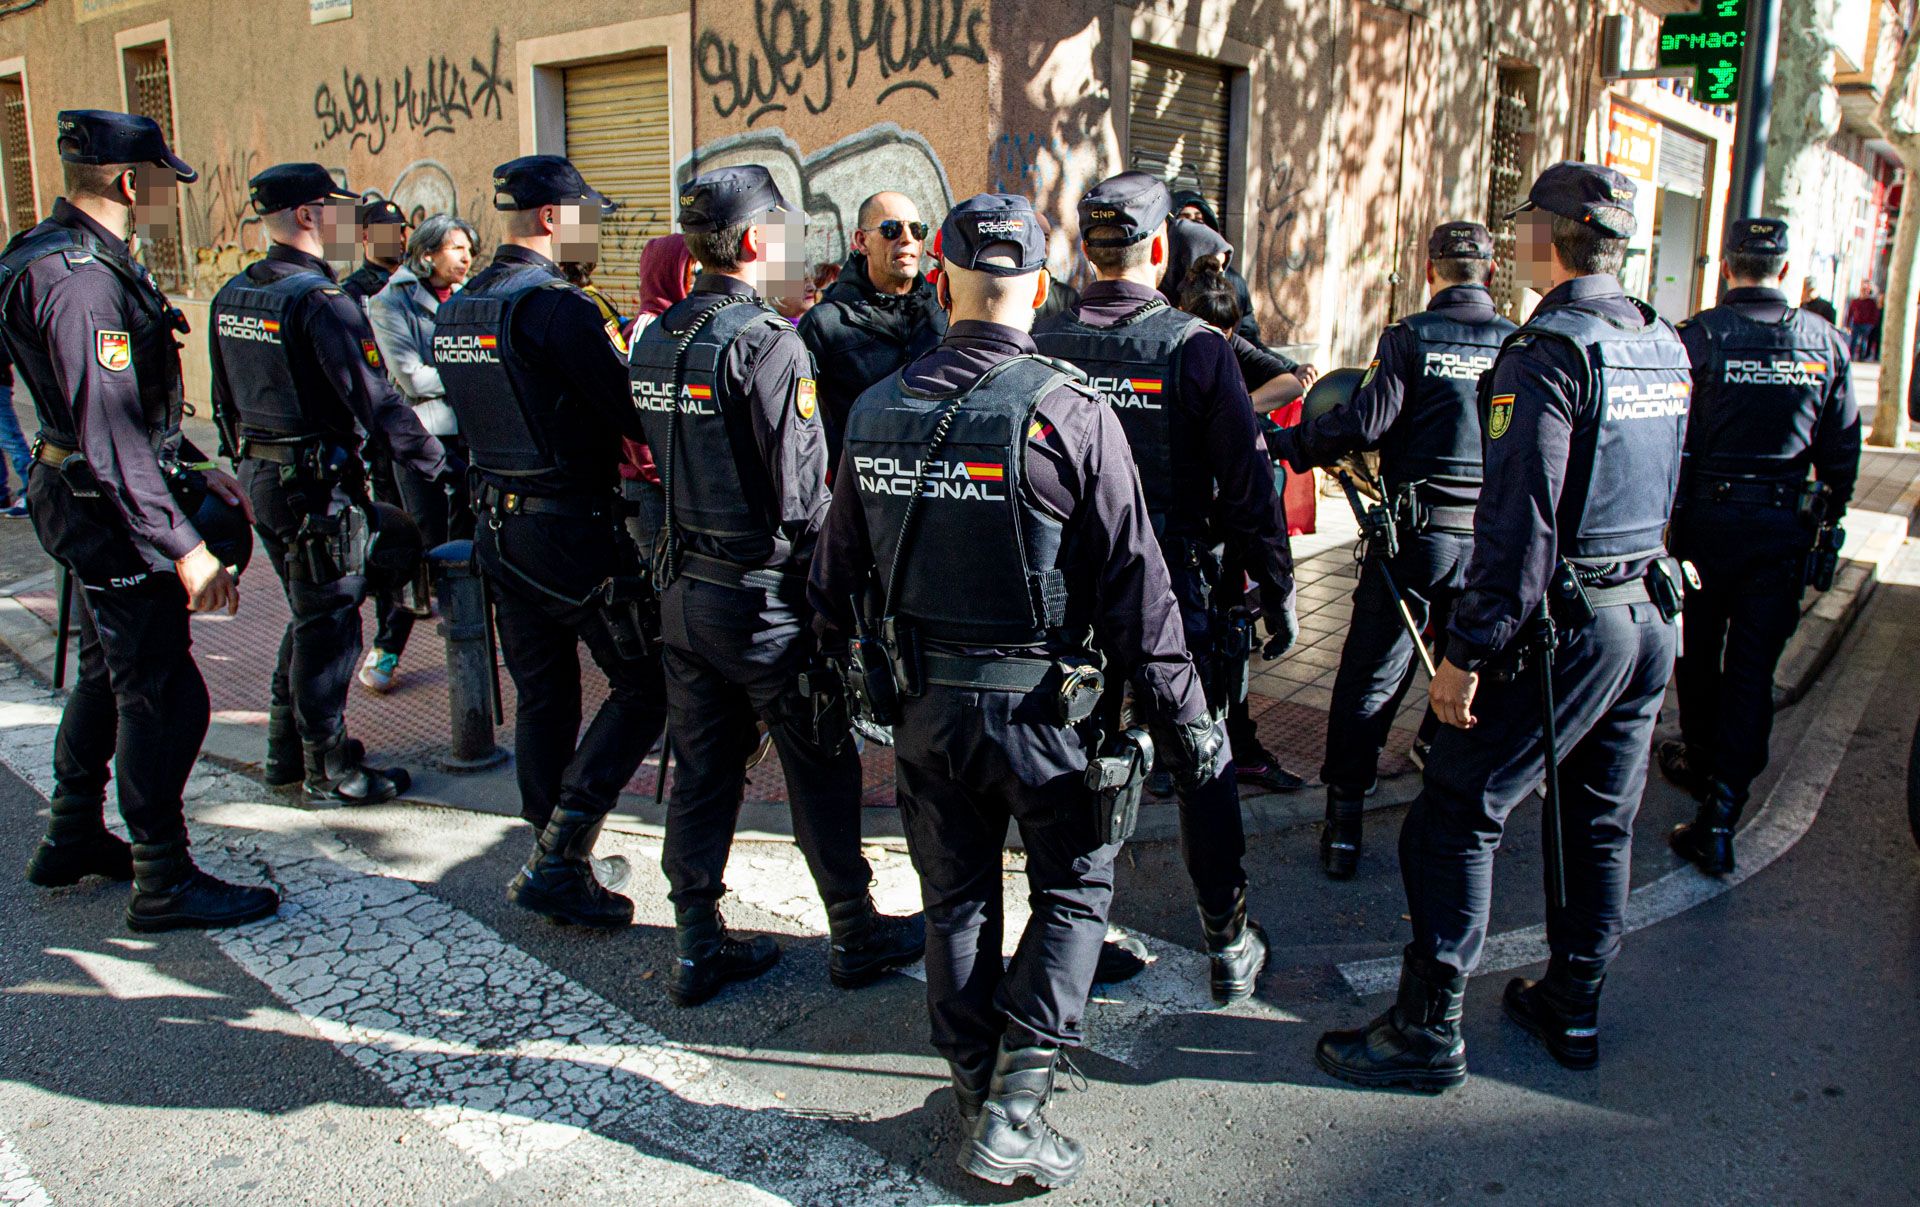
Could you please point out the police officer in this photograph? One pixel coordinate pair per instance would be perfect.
(296, 381)
(1585, 414)
(94, 339)
(383, 244)
(1177, 389)
(726, 394)
(1416, 406)
(1772, 397)
(541, 394)
(878, 315)
(987, 508)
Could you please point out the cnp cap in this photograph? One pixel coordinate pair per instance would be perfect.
(285, 185)
(1756, 237)
(531, 181)
(96, 136)
(988, 220)
(715, 200)
(1585, 192)
(1460, 241)
(380, 212)
(1134, 202)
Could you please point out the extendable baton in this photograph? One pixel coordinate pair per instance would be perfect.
(1552, 838)
(1393, 588)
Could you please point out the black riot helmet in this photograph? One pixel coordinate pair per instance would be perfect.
(1331, 392)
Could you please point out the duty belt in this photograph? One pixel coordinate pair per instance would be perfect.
(732, 574)
(1749, 494)
(507, 502)
(278, 452)
(1618, 596)
(51, 454)
(988, 674)
(1449, 519)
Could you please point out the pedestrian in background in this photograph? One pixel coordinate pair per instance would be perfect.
(1863, 324)
(667, 270)
(12, 442)
(439, 255)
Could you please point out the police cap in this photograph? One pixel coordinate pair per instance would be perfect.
(96, 136)
(987, 221)
(1756, 237)
(1134, 202)
(285, 185)
(379, 212)
(716, 200)
(1460, 241)
(1585, 192)
(531, 181)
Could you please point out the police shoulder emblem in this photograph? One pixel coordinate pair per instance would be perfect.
(1499, 416)
(371, 351)
(1373, 368)
(614, 337)
(805, 398)
(113, 349)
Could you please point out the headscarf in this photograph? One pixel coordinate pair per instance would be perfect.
(663, 281)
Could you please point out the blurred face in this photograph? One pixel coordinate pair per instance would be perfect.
(156, 202)
(451, 261)
(1533, 250)
(576, 232)
(893, 241)
(1191, 213)
(336, 224)
(384, 242)
(781, 242)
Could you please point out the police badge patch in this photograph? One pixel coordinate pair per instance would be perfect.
(113, 350)
(1499, 416)
(371, 351)
(1372, 369)
(805, 398)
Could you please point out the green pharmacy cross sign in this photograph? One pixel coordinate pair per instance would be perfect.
(1710, 42)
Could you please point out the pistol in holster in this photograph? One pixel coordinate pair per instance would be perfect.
(819, 706)
(869, 677)
(1233, 652)
(630, 612)
(328, 548)
(1823, 560)
(1116, 778)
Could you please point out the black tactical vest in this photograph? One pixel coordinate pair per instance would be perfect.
(1758, 400)
(508, 413)
(1134, 366)
(1438, 433)
(714, 475)
(981, 563)
(152, 351)
(1625, 461)
(252, 323)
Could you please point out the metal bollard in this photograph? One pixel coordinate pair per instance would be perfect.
(471, 681)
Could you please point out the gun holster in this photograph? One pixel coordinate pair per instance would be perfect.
(630, 612)
(1823, 560)
(902, 646)
(1664, 587)
(77, 472)
(1234, 651)
(819, 707)
(328, 548)
(1116, 778)
(1567, 597)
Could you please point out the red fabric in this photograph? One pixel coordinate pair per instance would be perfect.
(439, 293)
(663, 281)
(1863, 312)
(1299, 493)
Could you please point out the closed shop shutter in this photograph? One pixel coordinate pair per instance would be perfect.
(1683, 163)
(1178, 123)
(617, 135)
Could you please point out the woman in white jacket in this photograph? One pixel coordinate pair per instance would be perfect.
(439, 254)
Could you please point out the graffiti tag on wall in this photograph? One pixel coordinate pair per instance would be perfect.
(808, 49)
(366, 112)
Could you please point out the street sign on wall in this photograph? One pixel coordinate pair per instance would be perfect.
(1709, 41)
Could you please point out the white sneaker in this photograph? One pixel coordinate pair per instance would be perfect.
(378, 671)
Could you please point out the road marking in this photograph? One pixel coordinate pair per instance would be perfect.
(507, 1059)
(1837, 706)
(17, 1184)
(129, 980)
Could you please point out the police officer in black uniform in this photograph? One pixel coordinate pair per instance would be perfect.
(1772, 398)
(1416, 406)
(1177, 389)
(726, 393)
(383, 245)
(541, 393)
(1586, 411)
(296, 385)
(987, 510)
(112, 496)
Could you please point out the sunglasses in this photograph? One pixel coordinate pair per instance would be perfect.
(892, 229)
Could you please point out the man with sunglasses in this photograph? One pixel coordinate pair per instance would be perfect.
(878, 316)
(297, 386)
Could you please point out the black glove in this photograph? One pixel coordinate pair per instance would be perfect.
(1283, 627)
(1193, 751)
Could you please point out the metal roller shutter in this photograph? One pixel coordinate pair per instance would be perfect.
(1177, 122)
(618, 136)
(1683, 163)
(16, 164)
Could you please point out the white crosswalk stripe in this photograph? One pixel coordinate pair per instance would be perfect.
(17, 1184)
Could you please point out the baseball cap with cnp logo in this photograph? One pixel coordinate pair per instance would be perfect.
(987, 221)
(1588, 193)
(1133, 202)
(1756, 237)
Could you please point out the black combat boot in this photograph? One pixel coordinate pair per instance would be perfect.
(1340, 835)
(1121, 959)
(864, 944)
(1236, 949)
(1561, 1010)
(1011, 1136)
(170, 893)
(78, 844)
(286, 764)
(710, 959)
(558, 881)
(1415, 1044)
(1707, 840)
(337, 771)
(1681, 768)
(971, 1081)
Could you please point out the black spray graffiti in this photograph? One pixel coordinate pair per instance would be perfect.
(366, 112)
(1279, 222)
(807, 49)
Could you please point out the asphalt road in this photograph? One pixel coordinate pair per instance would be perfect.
(402, 1035)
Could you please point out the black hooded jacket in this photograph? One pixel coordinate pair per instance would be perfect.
(1248, 327)
(860, 336)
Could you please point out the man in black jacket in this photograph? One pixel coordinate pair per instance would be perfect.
(1194, 208)
(879, 315)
